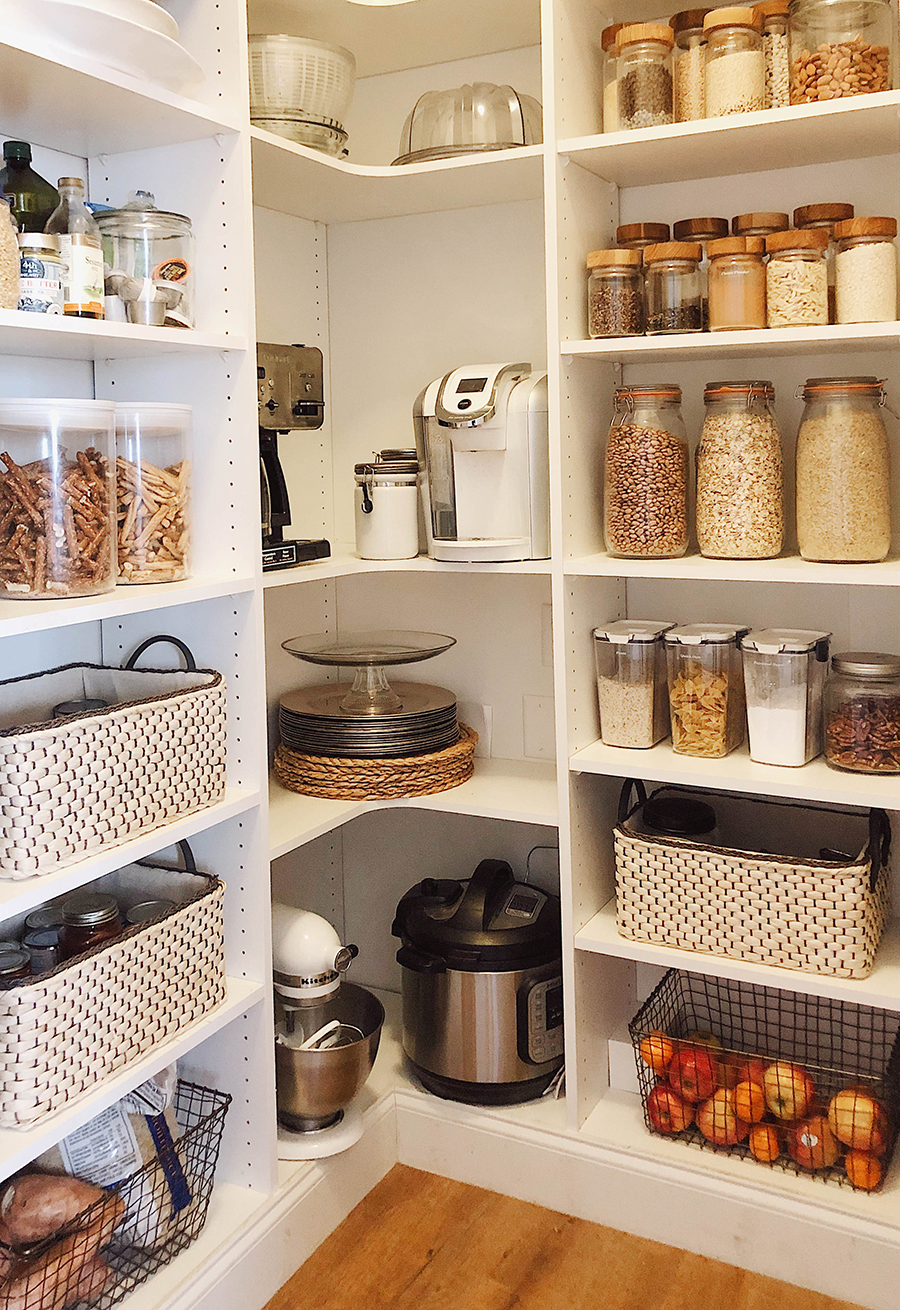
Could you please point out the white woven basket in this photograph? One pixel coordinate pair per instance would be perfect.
(818, 915)
(75, 787)
(64, 1032)
(296, 74)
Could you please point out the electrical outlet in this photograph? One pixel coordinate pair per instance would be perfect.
(481, 719)
(539, 727)
(547, 636)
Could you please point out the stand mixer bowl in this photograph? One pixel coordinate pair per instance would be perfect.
(314, 1086)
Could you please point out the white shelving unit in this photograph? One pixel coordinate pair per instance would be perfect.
(399, 274)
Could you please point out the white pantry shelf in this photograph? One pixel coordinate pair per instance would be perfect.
(881, 989)
(345, 563)
(24, 616)
(787, 568)
(521, 791)
(858, 127)
(309, 184)
(47, 336)
(19, 1147)
(737, 772)
(94, 110)
(17, 897)
(767, 343)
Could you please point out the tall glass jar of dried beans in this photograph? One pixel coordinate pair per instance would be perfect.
(646, 474)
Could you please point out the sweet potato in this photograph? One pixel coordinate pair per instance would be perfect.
(35, 1206)
(93, 1279)
(57, 1277)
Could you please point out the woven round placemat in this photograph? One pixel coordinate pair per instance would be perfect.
(365, 780)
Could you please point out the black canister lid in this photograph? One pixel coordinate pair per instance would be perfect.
(89, 909)
(487, 923)
(678, 816)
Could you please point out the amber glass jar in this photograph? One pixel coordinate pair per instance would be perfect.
(89, 919)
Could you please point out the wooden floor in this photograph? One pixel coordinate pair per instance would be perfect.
(420, 1242)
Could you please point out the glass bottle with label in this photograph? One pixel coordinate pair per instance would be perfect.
(80, 247)
(33, 198)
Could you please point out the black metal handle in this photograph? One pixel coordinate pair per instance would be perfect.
(367, 505)
(419, 962)
(879, 844)
(186, 651)
(187, 857)
(629, 785)
(490, 879)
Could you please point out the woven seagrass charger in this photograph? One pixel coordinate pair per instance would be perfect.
(349, 779)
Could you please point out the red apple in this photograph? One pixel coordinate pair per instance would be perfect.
(789, 1090)
(859, 1121)
(812, 1143)
(718, 1121)
(694, 1073)
(668, 1112)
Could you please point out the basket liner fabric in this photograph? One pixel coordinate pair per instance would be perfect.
(75, 787)
(67, 1030)
(792, 911)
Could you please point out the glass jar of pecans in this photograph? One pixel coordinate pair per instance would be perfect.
(646, 474)
(862, 713)
(841, 49)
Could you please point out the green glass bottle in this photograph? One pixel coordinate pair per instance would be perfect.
(33, 198)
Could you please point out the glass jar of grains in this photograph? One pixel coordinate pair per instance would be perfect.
(843, 472)
(735, 64)
(862, 713)
(776, 52)
(646, 474)
(841, 49)
(689, 67)
(673, 287)
(824, 216)
(615, 293)
(631, 683)
(706, 688)
(737, 284)
(702, 231)
(644, 74)
(610, 81)
(740, 473)
(797, 279)
(866, 270)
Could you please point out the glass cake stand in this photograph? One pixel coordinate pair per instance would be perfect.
(369, 653)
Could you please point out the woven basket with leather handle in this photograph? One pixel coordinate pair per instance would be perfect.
(73, 787)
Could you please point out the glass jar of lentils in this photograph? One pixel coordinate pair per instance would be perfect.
(862, 713)
(673, 287)
(840, 49)
(615, 293)
(797, 279)
(644, 74)
(740, 473)
(645, 513)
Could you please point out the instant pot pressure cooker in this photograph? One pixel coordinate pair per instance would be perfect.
(482, 986)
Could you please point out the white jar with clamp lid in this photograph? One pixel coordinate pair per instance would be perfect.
(387, 506)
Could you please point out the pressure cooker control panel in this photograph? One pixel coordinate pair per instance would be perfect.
(523, 904)
(544, 1020)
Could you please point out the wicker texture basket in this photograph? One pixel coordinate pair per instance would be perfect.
(74, 787)
(820, 916)
(337, 778)
(67, 1030)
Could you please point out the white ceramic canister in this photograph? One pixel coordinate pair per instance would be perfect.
(387, 506)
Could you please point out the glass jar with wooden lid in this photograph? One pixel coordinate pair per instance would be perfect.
(737, 284)
(735, 64)
(610, 81)
(776, 52)
(841, 49)
(825, 216)
(797, 279)
(866, 270)
(689, 65)
(759, 223)
(644, 74)
(673, 287)
(702, 231)
(615, 293)
(636, 236)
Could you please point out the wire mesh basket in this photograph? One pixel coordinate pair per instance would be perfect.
(140, 1225)
(826, 1075)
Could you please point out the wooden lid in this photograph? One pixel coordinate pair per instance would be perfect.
(672, 250)
(811, 238)
(773, 8)
(736, 16)
(736, 246)
(813, 215)
(866, 227)
(645, 32)
(608, 36)
(688, 20)
(614, 259)
(689, 229)
(641, 234)
(760, 223)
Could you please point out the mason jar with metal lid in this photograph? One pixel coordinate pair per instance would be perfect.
(706, 688)
(797, 279)
(644, 75)
(689, 66)
(89, 919)
(866, 270)
(14, 963)
(645, 510)
(824, 217)
(148, 911)
(631, 683)
(46, 916)
(862, 713)
(735, 64)
(841, 49)
(149, 258)
(674, 302)
(387, 505)
(784, 676)
(610, 81)
(776, 51)
(43, 948)
(759, 223)
(740, 473)
(843, 471)
(615, 293)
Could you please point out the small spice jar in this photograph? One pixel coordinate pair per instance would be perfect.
(862, 713)
(776, 52)
(631, 683)
(737, 284)
(673, 287)
(644, 75)
(615, 293)
(153, 486)
(15, 962)
(706, 688)
(637, 236)
(735, 64)
(740, 473)
(689, 65)
(89, 919)
(797, 279)
(702, 231)
(759, 223)
(646, 474)
(610, 81)
(824, 217)
(41, 273)
(843, 472)
(866, 270)
(840, 49)
(784, 677)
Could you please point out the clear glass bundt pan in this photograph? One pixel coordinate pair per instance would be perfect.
(467, 120)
